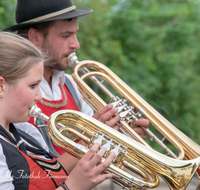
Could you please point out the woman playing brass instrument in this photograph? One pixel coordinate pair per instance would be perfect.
(24, 158)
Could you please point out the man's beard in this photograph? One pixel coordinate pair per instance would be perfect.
(53, 59)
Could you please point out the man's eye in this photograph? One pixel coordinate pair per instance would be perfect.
(65, 36)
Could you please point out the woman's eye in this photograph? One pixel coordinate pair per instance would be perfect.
(33, 86)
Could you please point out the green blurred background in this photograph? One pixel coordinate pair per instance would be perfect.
(152, 45)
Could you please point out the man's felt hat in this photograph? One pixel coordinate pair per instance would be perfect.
(30, 12)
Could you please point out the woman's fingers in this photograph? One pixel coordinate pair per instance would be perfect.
(88, 156)
(94, 157)
(106, 163)
(98, 156)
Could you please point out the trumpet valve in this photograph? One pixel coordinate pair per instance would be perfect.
(127, 113)
(111, 146)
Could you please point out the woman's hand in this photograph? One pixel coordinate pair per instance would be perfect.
(87, 174)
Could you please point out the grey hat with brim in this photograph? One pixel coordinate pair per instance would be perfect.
(28, 12)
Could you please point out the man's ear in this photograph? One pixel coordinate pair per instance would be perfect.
(35, 37)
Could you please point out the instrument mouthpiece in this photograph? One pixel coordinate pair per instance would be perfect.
(72, 58)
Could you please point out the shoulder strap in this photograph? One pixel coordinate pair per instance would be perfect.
(43, 130)
(29, 138)
(34, 142)
(17, 164)
(18, 141)
(72, 91)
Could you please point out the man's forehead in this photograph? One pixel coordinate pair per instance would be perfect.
(66, 25)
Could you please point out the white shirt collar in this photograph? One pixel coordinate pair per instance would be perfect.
(57, 74)
(54, 93)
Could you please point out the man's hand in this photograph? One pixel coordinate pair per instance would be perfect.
(139, 130)
(105, 113)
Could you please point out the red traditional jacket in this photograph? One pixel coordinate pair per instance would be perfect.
(48, 110)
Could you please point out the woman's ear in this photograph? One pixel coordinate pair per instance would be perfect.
(2, 82)
(35, 37)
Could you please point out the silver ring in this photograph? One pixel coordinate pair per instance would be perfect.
(19, 143)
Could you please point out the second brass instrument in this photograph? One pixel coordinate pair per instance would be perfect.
(133, 155)
(184, 145)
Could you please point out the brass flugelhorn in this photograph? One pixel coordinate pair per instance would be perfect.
(131, 107)
(136, 157)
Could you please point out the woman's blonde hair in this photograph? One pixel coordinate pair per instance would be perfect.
(17, 56)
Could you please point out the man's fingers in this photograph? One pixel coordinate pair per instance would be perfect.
(113, 121)
(142, 122)
(141, 132)
(101, 111)
(105, 113)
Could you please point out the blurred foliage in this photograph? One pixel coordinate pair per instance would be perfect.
(7, 9)
(95, 39)
(152, 45)
(161, 39)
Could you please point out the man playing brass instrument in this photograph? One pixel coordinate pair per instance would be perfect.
(52, 25)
